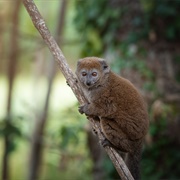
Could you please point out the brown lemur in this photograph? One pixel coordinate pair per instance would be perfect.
(119, 107)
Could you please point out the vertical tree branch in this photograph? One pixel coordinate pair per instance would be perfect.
(71, 79)
(13, 55)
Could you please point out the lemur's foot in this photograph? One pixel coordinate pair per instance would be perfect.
(105, 142)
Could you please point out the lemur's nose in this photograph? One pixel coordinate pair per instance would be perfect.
(88, 83)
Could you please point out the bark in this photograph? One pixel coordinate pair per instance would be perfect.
(36, 152)
(71, 79)
(13, 55)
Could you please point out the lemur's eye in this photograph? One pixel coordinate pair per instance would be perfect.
(94, 74)
(84, 73)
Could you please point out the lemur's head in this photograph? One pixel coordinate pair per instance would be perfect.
(91, 71)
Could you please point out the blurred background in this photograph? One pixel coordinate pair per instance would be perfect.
(42, 135)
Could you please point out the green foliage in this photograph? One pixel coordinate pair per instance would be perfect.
(71, 131)
(105, 28)
(96, 18)
(160, 160)
(104, 20)
(69, 138)
(163, 17)
(9, 128)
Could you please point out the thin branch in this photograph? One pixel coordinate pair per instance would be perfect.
(40, 25)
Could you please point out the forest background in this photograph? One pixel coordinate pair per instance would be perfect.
(42, 135)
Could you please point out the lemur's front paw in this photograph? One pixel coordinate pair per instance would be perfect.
(84, 109)
(80, 109)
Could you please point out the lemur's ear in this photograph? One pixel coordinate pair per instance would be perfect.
(105, 66)
(78, 62)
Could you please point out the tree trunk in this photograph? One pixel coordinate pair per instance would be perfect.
(13, 55)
